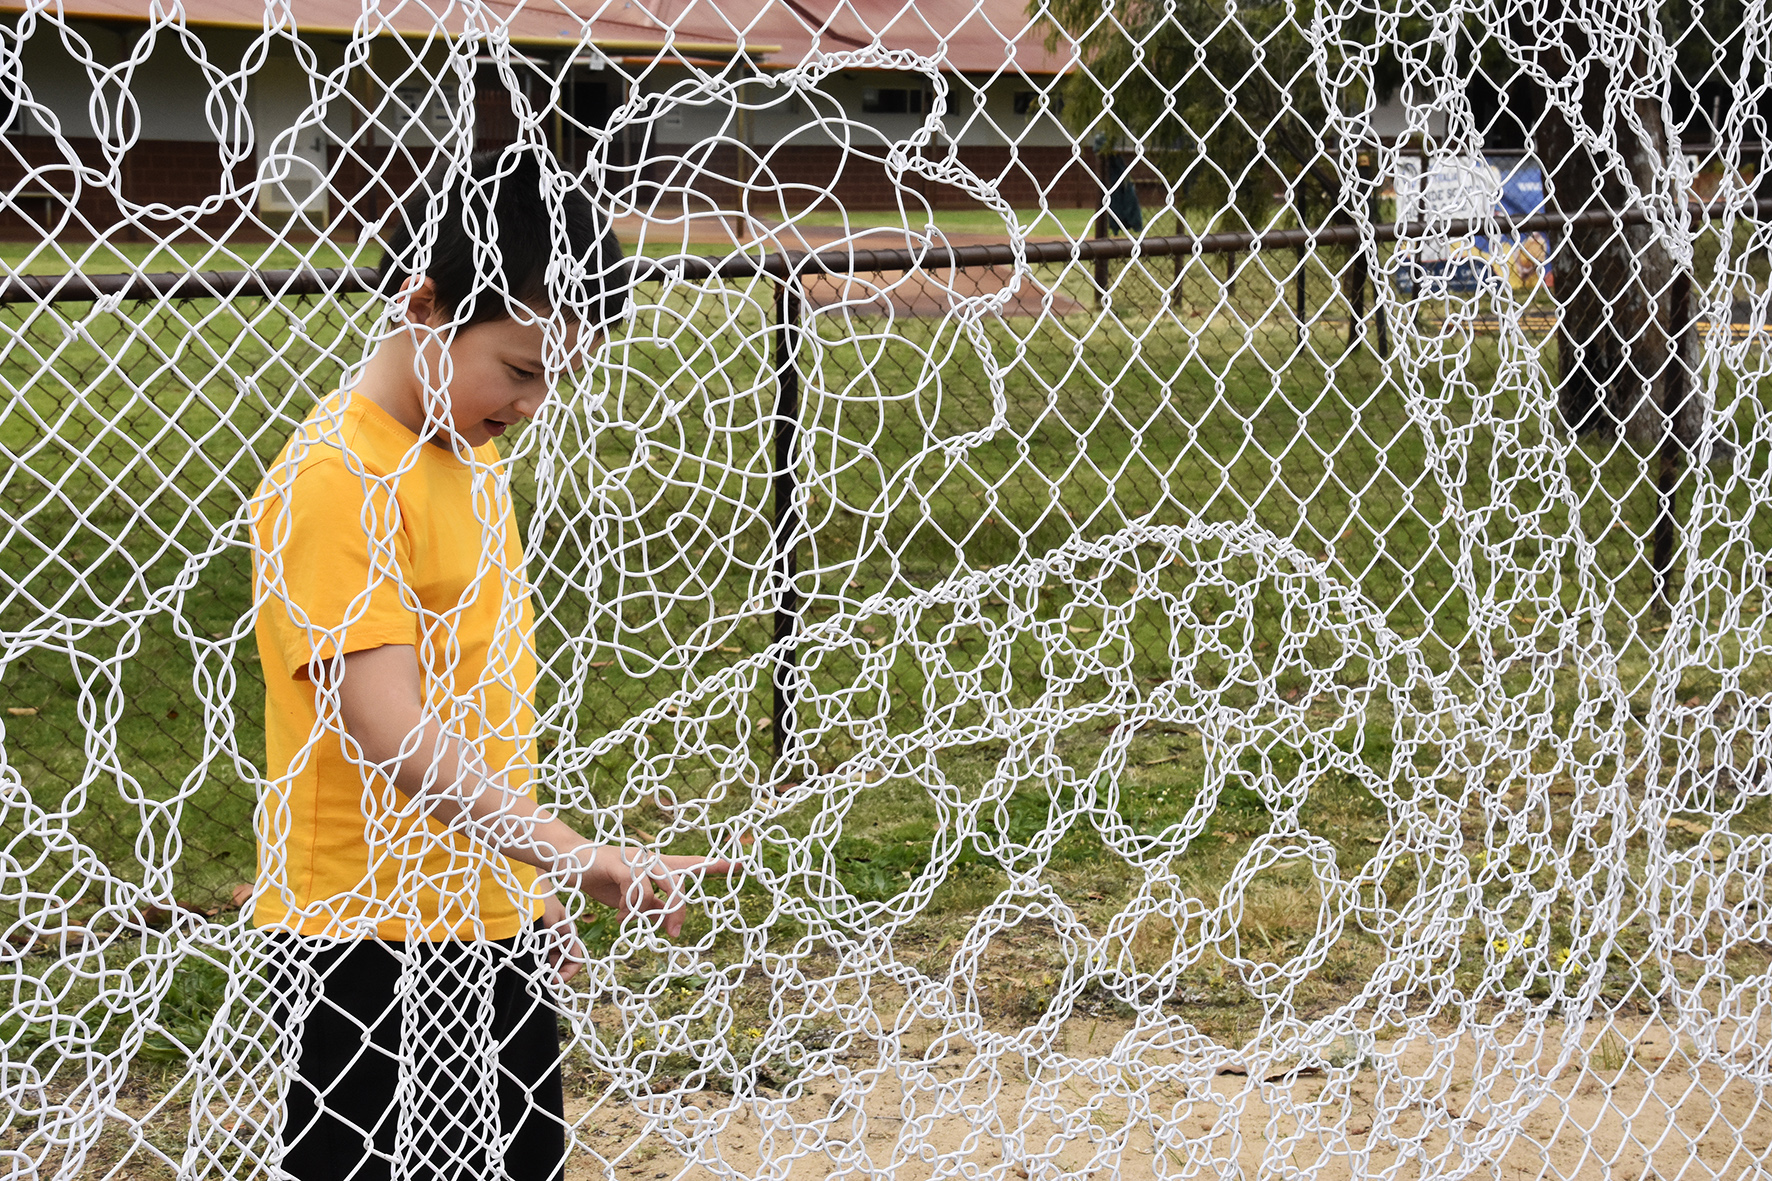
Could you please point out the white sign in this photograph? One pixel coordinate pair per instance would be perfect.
(1408, 187)
(1452, 189)
(426, 106)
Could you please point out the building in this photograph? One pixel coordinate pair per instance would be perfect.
(223, 125)
(846, 81)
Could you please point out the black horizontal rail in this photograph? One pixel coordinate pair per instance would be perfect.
(74, 287)
(77, 288)
(785, 264)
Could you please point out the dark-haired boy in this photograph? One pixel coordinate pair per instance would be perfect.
(400, 846)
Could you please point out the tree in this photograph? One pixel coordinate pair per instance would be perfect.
(1625, 349)
(1226, 105)
(1225, 100)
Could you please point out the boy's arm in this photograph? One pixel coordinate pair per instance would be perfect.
(381, 705)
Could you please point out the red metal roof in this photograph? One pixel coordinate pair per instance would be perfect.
(618, 25)
(970, 36)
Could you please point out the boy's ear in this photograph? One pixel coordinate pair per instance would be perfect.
(422, 305)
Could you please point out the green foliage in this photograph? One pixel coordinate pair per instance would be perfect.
(1223, 97)
(196, 993)
(1226, 98)
(199, 988)
(874, 872)
(1162, 76)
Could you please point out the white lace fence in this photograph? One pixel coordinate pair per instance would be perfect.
(1274, 692)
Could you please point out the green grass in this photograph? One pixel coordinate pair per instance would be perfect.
(1223, 421)
(105, 258)
(1037, 225)
(1192, 402)
(110, 257)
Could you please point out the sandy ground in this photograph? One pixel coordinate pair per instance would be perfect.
(1645, 1106)
(931, 293)
(1635, 1100)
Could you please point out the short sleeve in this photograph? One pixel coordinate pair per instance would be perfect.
(333, 567)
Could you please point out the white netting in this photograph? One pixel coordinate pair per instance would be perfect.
(1218, 618)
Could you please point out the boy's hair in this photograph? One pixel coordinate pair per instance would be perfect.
(504, 187)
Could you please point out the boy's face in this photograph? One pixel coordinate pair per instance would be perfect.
(497, 377)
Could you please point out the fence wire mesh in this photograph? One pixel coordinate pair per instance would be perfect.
(1221, 626)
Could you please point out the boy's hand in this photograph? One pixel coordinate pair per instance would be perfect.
(629, 879)
(566, 951)
(381, 702)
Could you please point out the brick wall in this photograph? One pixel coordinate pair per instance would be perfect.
(183, 174)
(174, 173)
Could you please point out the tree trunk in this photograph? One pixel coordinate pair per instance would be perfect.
(1622, 362)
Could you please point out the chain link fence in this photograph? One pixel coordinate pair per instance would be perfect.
(1230, 377)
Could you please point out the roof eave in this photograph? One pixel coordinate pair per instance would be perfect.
(611, 45)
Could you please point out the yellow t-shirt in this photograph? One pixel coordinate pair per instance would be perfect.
(363, 536)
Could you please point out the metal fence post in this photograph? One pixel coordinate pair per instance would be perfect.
(1673, 452)
(1384, 325)
(1377, 275)
(1103, 230)
(1299, 296)
(786, 563)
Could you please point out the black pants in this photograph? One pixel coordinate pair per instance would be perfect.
(485, 1012)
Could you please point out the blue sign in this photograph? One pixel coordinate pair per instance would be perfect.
(1475, 262)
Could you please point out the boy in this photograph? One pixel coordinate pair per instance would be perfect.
(400, 843)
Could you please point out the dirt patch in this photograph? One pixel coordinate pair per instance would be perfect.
(1636, 1097)
(1099, 1096)
(933, 294)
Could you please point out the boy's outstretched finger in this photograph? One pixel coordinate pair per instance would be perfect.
(569, 953)
(669, 871)
(704, 866)
(631, 880)
(658, 884)
(666, 874)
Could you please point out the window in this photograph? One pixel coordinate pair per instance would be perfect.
(12, 95)
(1029, 103)
(883, 100)
(590, 103)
